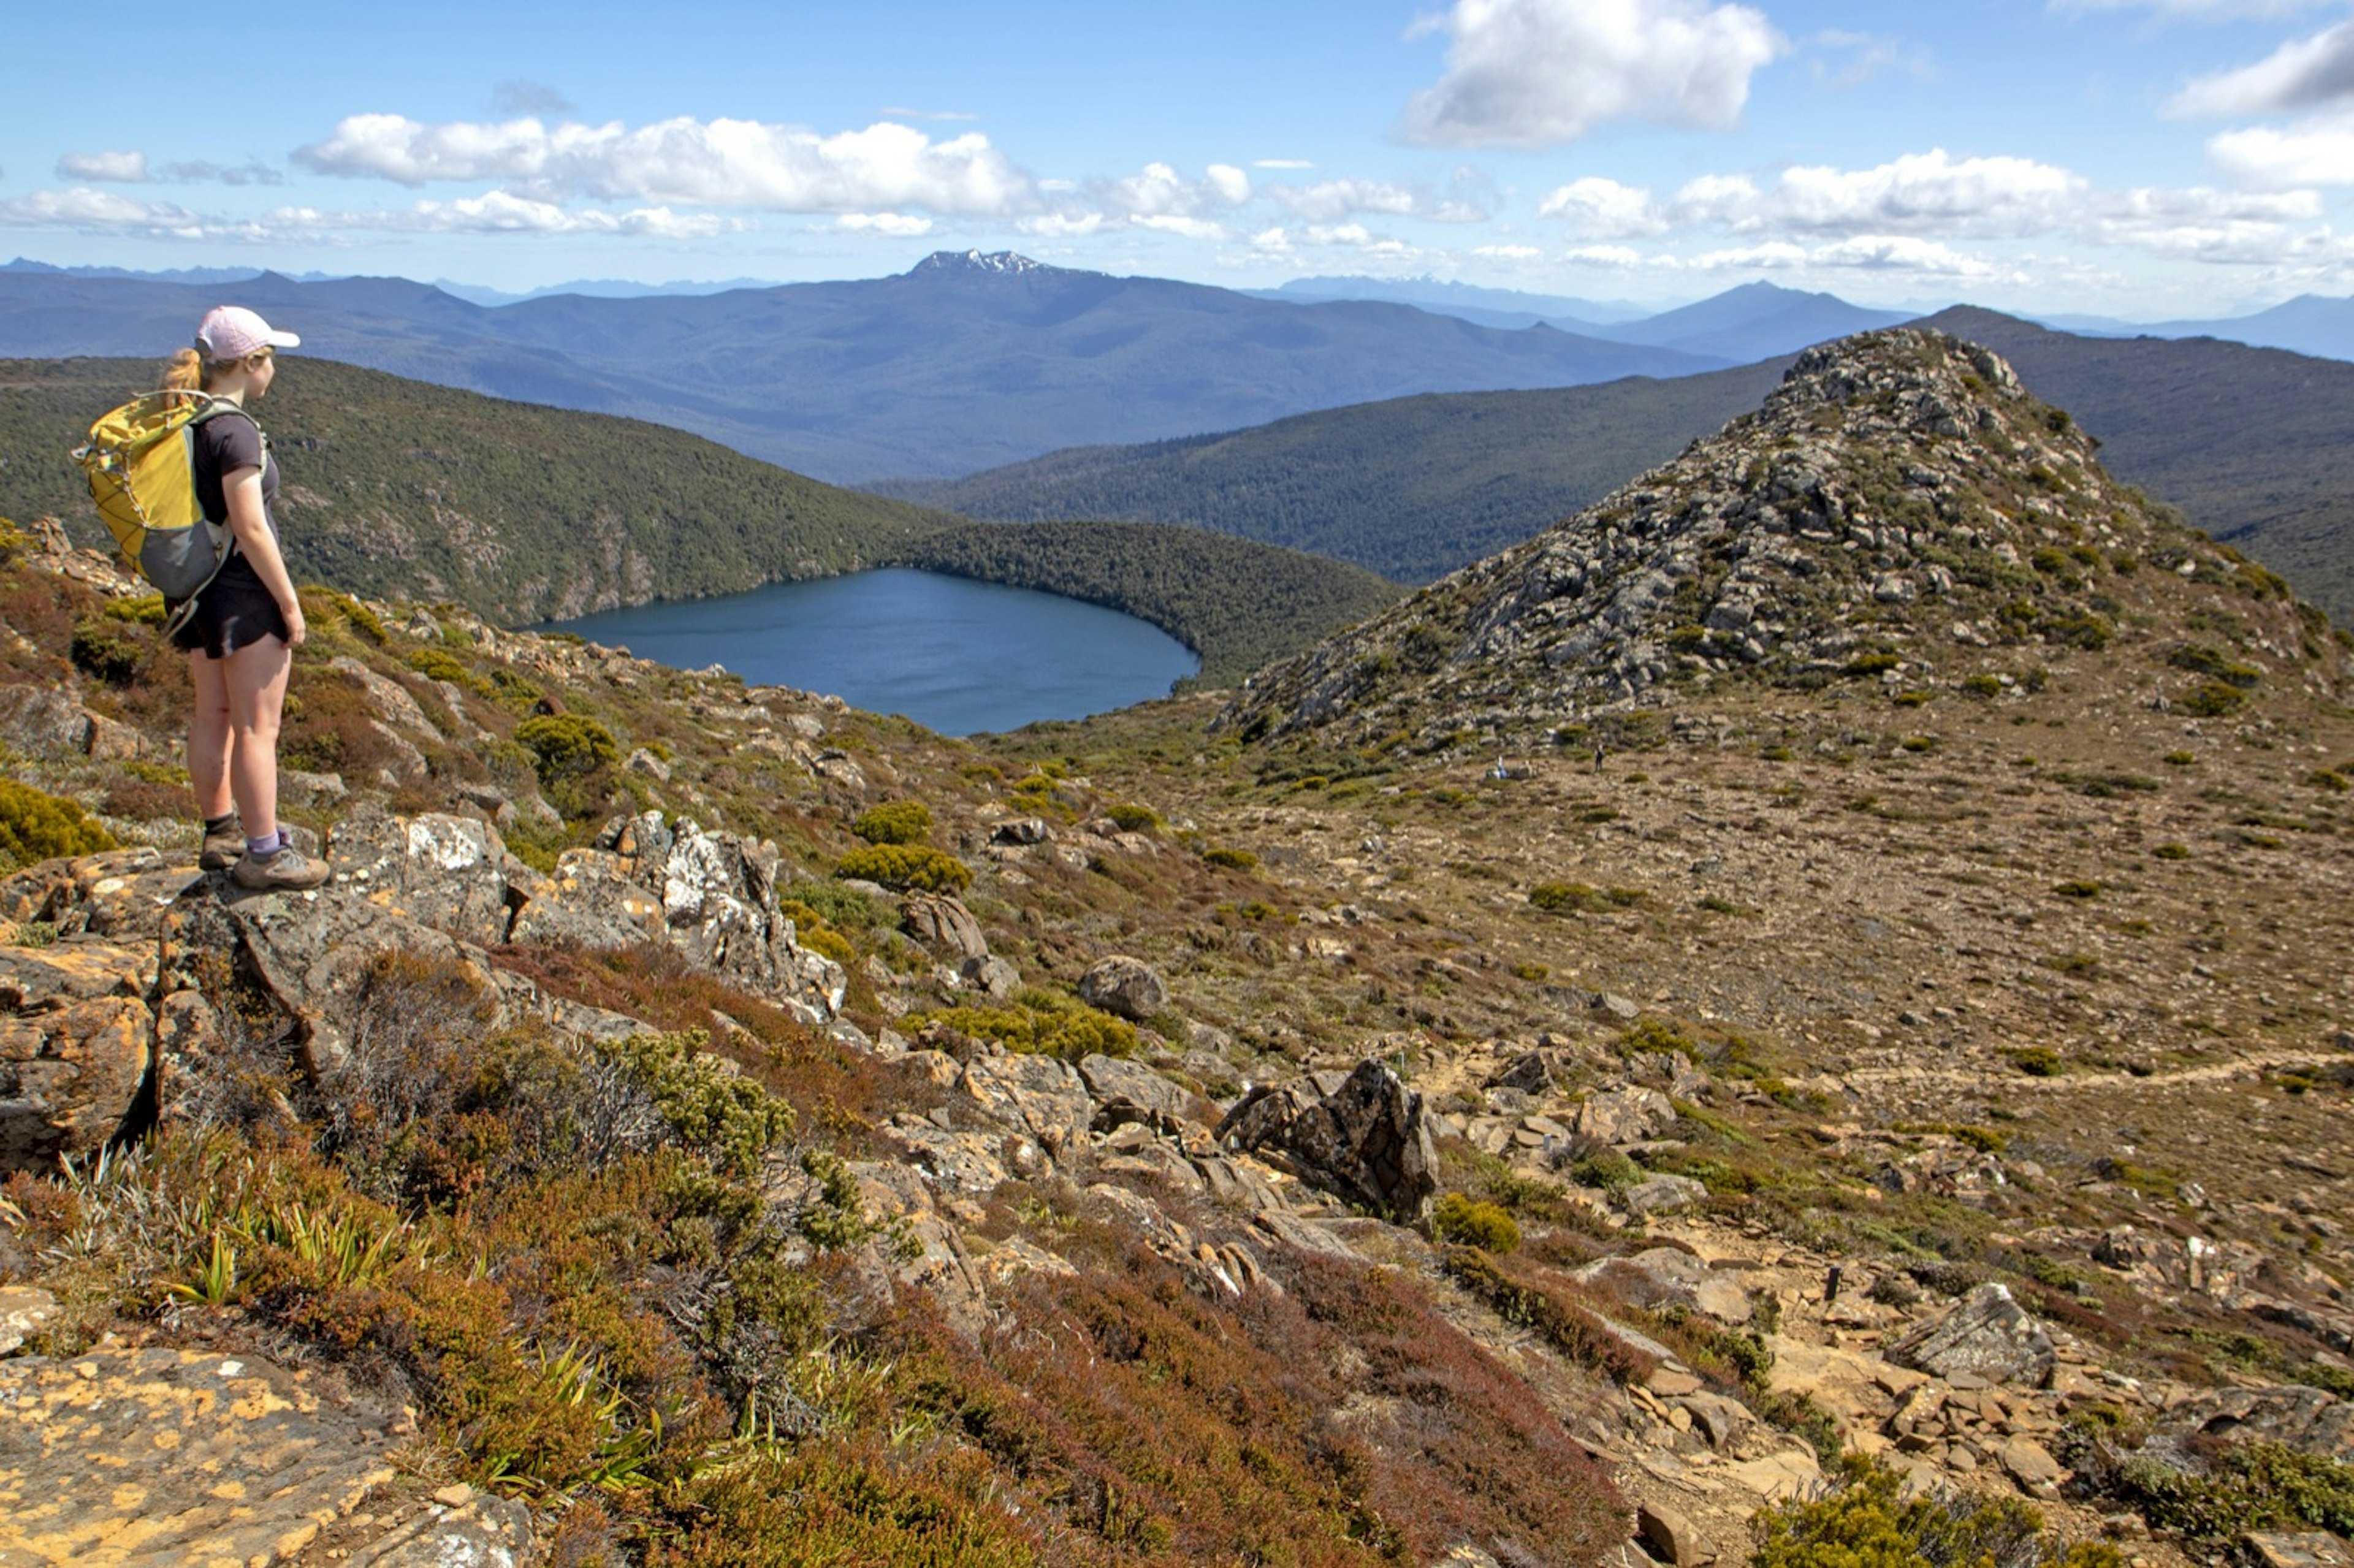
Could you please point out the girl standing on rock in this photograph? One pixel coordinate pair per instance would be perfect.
(241, 639)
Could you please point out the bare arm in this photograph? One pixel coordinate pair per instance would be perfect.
(242, 490)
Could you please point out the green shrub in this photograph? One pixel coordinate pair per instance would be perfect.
(1866, 1523)
(36, 826)
(1572, 897)
(111, 650)
(1039, 1024)
(2037, 1061)
(146, 610)
(712, 1107)
(894, 823)
(1457, 1218)
(2247, 1486)
(1234, 859)
(2172, 852)
(2213, 699)
(907, 868)
(1135, 819)
(2077, 889)
(566, 746)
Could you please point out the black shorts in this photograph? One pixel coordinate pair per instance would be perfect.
(236, 611)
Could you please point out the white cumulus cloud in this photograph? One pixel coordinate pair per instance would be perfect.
(2314, 151)
(715, 163)
(2303, 73)
(1604, 210)
(1918, 191)
(1536, 73)
(114, 167)
(1328, 201)
(897, 225)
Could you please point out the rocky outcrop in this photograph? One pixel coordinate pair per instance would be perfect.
(1988, 1335)
(77, 1042)
(1365, 1139)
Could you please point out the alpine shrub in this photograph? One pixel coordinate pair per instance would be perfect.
(566, 745)
(907, 868)
(36, 826)
(894, 823)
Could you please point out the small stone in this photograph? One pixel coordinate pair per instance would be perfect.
(457, 1494)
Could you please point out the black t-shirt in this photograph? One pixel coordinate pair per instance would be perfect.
(226, 443)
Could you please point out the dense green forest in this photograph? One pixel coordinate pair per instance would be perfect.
(1236, 603)
(396, 488)
(1412, 488)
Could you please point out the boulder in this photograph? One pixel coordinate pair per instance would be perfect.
(943, 925)
(1538, 1072)
(997, 977)
(77, 1042)
(1662, 1195)
(1988, 1335)
(1368, 1141)
(43, 722)
(2307, 1419)
(1128, 987)
(1114, 1084)
(2295, 1548)
(1666, 1276)
(1667, 1536)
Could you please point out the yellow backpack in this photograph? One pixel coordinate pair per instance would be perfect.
(140, 462)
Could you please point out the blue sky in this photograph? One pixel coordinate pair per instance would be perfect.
(2147, 158)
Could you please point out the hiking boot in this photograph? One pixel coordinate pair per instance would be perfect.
(222, 848)
(288, 871)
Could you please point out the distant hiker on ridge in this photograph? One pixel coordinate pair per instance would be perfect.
(241, 635)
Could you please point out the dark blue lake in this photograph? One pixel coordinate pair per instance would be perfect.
(954, 655)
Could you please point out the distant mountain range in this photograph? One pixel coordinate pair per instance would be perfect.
(2249, 442)
(2309, 323)
(964, 362)
(1753, 322)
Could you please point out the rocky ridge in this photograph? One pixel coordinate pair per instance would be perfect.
(1900, 508)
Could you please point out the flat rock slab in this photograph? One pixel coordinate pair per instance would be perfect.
(162, 1458)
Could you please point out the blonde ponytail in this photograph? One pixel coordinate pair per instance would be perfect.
(186, 372)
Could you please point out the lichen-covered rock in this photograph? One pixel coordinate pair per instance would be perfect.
(77, 1042)
(449, 873)
(1989, 1334)
(2308, 1419)
(161, 1455)
(1128, 987)
(118, 893)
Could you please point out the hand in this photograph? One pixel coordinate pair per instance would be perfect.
(295, 630)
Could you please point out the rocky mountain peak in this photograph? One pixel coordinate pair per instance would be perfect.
(1899, 510)
(967, 262)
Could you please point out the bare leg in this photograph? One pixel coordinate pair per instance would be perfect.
(208, 735)
(257, 698)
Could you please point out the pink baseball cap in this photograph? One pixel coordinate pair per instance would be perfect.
(232, 331)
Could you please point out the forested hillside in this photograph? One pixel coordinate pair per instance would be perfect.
(1236, 603)
(518, 512)
(1412, 488)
